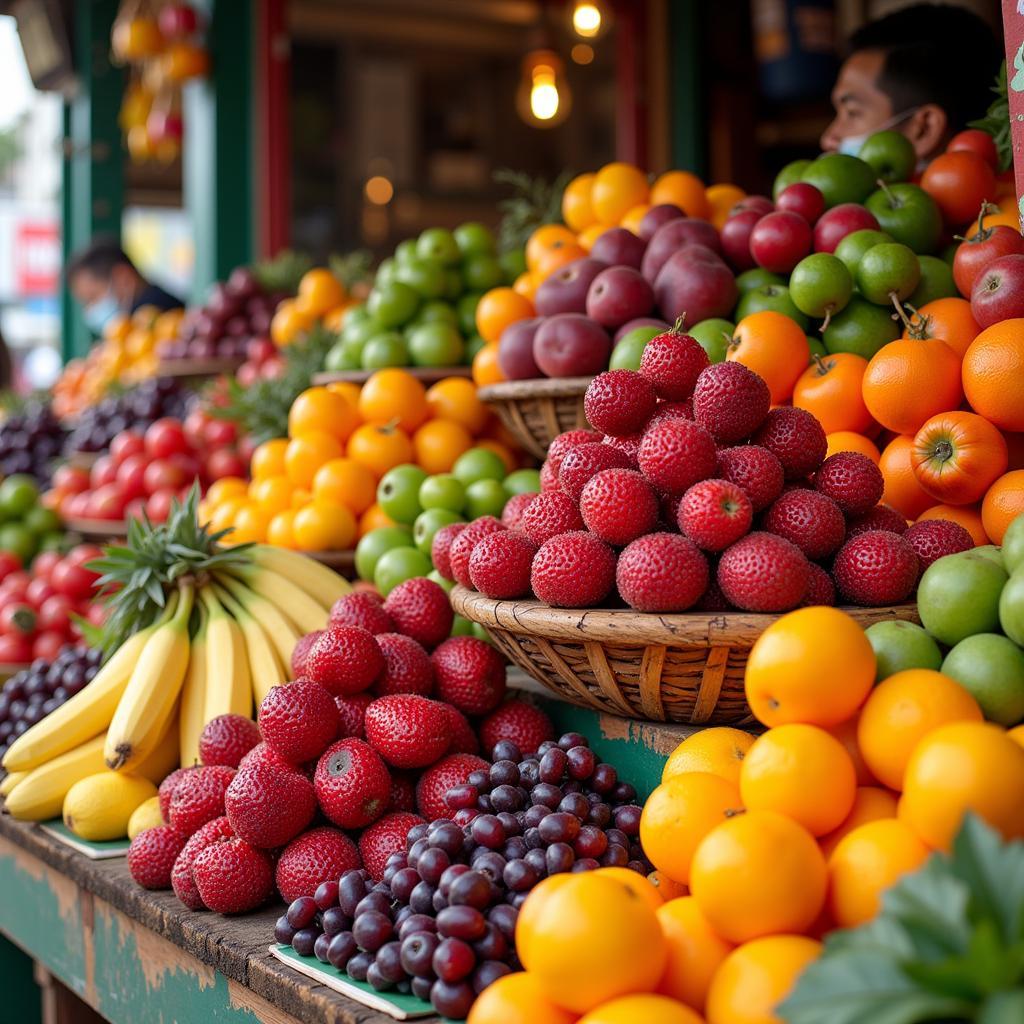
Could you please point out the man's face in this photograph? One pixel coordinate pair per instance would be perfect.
(861, 107)
(88, 288)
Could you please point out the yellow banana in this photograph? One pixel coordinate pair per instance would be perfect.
(264, 664)
(193, 695)
(228, 679)
(305, 611)
(283, 633)
(321, 583)
(151, 696)
(12, 779)
(85, 715)
(165, 757)
(40, 795)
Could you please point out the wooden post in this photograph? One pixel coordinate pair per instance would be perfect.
(630, 80)
(273, 127)
(1013, 29)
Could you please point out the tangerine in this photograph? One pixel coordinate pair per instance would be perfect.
(268, 459)
(516, 999)
(1003, 502)
(379, 447)
(320, 292)
(530, 913)
(774, 347)
(641, 885)
(993, 374)
(288, 323)
(549, 262)
(324, 410)
(526, 285)
(323, 526)
(347, 389)
(577, 210)
(396, 397)
(485, 366)
(279, 529)
(957, 456)
(345, 482)
(903, 491)
(968, 516)
(1017, 734)
(872, 803)
(668, 888)
(848, 441)
(455, 398)
(226, 487)
(685, 190)
(901, 711)
(548, 238)
(374, 518)
(250, 525)
(721, 199)
(951, 320)
(695, 952)
(617, 188)
(719, 750)
(589, 236)
(438, 443)
(846, 733)
(499, 308)
(273, 494)
(632, 219)
(830, 389)
(651, 1009)
(306, 454)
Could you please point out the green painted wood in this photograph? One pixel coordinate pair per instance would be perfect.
(687, 117)
(22, 998)
(218, 152)
(93, 177)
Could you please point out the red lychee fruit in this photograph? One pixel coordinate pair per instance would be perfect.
(351, 711)
(795, 438)
(226, 739)
(233, 877)
(583, 463)
(407, 730)
(517, 722)
(619, 505)
(151, 856)
(573, 570)
(268, 807)
(462, 546)
(933, 539)
(352, 783)
(629, 446)
(470, 674)
(662, 572)
(500, 564)
(407, 667)
(440, 548)
(512, 513)
(852, 481)
(754, 469)
(820, 590)
(300, 720)
(675, 454)
(619, 402)
(764, 573)
(420, 608)
(549, 476)
(671, 411)
(199, 797)
(182, 882)
(384, 838)
(730, 401)
(876, 568)
(565, 442)
(715, 514)
(550, 514)
(320, 855)
(881, 517)
(672, 362)
(810, 520)
(167, 787)
(300, 652)
(266, 756)
(345, 660)
(436, 781)
(361, 608)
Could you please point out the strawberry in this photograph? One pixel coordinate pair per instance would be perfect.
(810, 520)
(403, 790)
(628, 445)
(755, 469)
(182, 882)
(437, 780)
(730, 401)
(299, 720)
(852, 481)
(715, 514)
(675, 454)
(199, 798)
(549, 476)
(345, 660)
(514, 508)
(268, 807)
(420, 609)
(582, 463)
(167, 788)
(573, 570)
(661, 572)
(265, 755)
(233, 877)
(151, 856)
(361, 608)
(407, 730)
(470, 674)
(619, 402)
(764, 573)
(619, 505)
(876, 568)
(499, 566)
(881, 517)
(318, 855)
(932, 539)
(550, 514)
(351, 711)
(566, 441)
(713, 600)
(463, 740)
(300, 652)
(226, 739)
(672, 362)
(820, 590)
(352, 783)
(462, 546)
(517, 722)
(795, 438)
(407, 667)
(384, 838)
(441, 545)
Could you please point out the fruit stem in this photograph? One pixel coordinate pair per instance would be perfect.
(829, 310)
(983, 234)
(820, 365)
(882, 184)
(901, 313)
(679, 327)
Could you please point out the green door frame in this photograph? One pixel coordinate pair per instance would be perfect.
(688, 116)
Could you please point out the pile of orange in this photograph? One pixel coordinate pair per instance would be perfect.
(321, 298)
(316, 489)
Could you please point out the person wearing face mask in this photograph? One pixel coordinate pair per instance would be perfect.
(105, 283)
(924, 70)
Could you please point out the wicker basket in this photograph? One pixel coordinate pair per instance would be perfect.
(537, 411)
(342, 562)
(665, 668)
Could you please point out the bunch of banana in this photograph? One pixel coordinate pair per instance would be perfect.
(223, 639)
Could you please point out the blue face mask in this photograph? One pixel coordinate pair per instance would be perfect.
(851, 145)
(99, 313)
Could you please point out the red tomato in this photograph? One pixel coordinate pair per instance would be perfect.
(16, 583)
(195, 427)
(48, 645)
(55, 614)
(189, 465)
(220, 433)
(44, 563)
(225, 462)
(959, 182)
(96, 614)
(163, 475)
(131, 476)
(974, 140)
(158, 507)
(70, 576)
(69, 479)
(165, 437)
(77, 506)
(107, 502)
(104, 471)
(18, 617)
(9, 562)
(39, 590)
(15, 650)
(135, 508)
(126, 443)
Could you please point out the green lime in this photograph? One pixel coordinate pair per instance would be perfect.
(396, 565)
(373, 544)
(18, 493)
(42, 521)
(18, 539)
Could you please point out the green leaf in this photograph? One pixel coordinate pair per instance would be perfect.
(1003, 1008)
(993, 871)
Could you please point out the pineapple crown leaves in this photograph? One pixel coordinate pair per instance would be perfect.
(997, 120)
(137, 577)
(352, 267)
(534, 201)
(284, 272)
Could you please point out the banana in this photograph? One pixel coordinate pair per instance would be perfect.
(264, 664)
(164, 758)
(149, 700)
(193, 695)
(321, 583)
(283, 633)
(12, 779)
(85, 715)
(40, 795)
(305, 611)
(228, 679)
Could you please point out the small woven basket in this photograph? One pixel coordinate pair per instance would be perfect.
(537, 411)
(663, 668)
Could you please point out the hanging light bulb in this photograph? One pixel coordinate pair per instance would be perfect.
(543, 98)
(587, 19)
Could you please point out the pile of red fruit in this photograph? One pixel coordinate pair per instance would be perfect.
(262, 362)
(37, 609)
(145, 472)
(693, 492)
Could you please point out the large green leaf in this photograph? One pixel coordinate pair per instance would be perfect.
(993, 871)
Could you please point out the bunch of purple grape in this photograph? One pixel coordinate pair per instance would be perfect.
(441, 923)
(29, 442)
(31, 694)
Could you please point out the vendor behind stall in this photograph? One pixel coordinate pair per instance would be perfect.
(105, 282)
(926, 71)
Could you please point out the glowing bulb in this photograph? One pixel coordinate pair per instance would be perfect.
(582, 53)
(586, 20)
(544, 98)
(379, 190)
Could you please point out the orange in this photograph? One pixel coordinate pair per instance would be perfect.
(848, 441)
(846, 733)
(345, 482)
(438, 443)
(993, 372)
(695, 952)
(530, 914)
(549, 262)
(957, 456)
(273, 494)
(226, 487)
(548, 238)
(1003, 502)
(964, 766)
(642, 886)
(865, 863)
(679, 814)
(668, 889)
(585, 940)
(394, 396)
(901, 711)
(721, 199)
(306, 454)
(756, 977)
(719, 750)
(347, 389)
(455, 398)
(516, 999)
(903, 491)
(632, 218)
(526, 285)
(485, 366)
(279, 529)
(323, 526)
(616, 189)
(268, 459)
(250, 525)
(774, 347)
(501, 450)
(320, 292)
(830, 389)
(949, 319)
(577, 210)
(682, 189)
(910, 380)
(758, 874)
(651, 1009)
(497, 309)
(223, 517)
(1017, 734)
(379, 447)
(589, 236)
(301, 497)
(324, 410)
(872, 803)
(374, 518)
(802, 772)
(289, 322)
(814, 665)
(968, 516)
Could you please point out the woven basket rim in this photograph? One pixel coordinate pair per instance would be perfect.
(625, 627)
(538, 387)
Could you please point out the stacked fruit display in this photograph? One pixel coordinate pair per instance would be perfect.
(251, 607)
(30, 441)
(421, 310)
(27, 524)
(321, 298)
(316, 490)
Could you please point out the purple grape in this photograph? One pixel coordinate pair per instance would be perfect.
(439, 901)
(301, 912)
(515, 848)
(459, 797)
(375, 978)
(416, 923)
(604, 778)
(507, 798)
(532, 838)
(488, 973)
(552, 766)
(504, 773)
(471, 889)
(403, 882)
(461, 923)
(358, 966)
(510, 823)
(415, 834)
(623, 793)
(371, 930)
(627, 819)
(615, 856)
(452, 1000)
(591, 842)
(320, 947)
(506, 750)
(573, 739)
(481, 780)
(402, 915)
(326, 895)
(576, 804)
(421, 899)
(537, 859)
(504, 918)
(335, 921)
(372, 901)
(417, 953)
(351, 889)
(450, 874)
(415, 850)
(490, 864)
(559, 828)
(586, 864)
(600, 815)
(488, 831)
(389, 962)
(529, 772)
(520, 876)
(533, 816)
(341, 949)
(453, 960)
(432, 865)
(559, 858)
(484, 804)
(283, 931)
(546, 794)
(421, 987)
(616, 837)
(465, 816)
(304, 940)
(447, 837)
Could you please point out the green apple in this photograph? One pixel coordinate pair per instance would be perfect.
(936, 282)
(339, 358)
(361, 330)
(862, 328)
(373, 544)
(789, 175)
(959, 596)
(888, 271)
(393, 303)
(384, 350)
(439, 244)
(816, 346)
(435, 312)
(386, 271)
(398, 493)
(41, 520)
(630, 348)
(405, 251)
(479, 273)
(713, 335)
(475, 239)
(436, 344)
(1013, 544)
(991, 668)
(446, 585)
(901, 645)
(428, 523)
(891, 155)
(992, 552)
(909, 214)
(852, 248)
(523, 481)
(485, 498)
(465, 308)
(354, 315)
(1011, 607)
(473, 345)
(461, 626)
(426, 277)
(820, 285)
(443, 491)
(757, 277)
(775, 297)
(513, 262)
(840, 178)
(397, 565)
(18, 494)
(19, 540)
(479, 464)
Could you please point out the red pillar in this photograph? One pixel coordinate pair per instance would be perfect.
(273, 127)
(630, 80)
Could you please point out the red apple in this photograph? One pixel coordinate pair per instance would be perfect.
(220, 433)
(671, 237)
(693, 284)
(565, 290)
(131, 476)
(760, 204)
(570, 345)
(802, 198)
(165, 437)
(976, 253)
(107, 502)
(104, 471)
(656, 216)
(998, 292)
(618, 247)
(617, 295)
(163, 474)
(842, 220)
(515, 350)
(126, 443)
(780, 241)
(736, 232)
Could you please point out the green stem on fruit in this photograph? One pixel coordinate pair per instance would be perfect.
(883, 185)
(983, 234)
(820, 365)
(679, 327)
(829, 310)
(901, 314)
